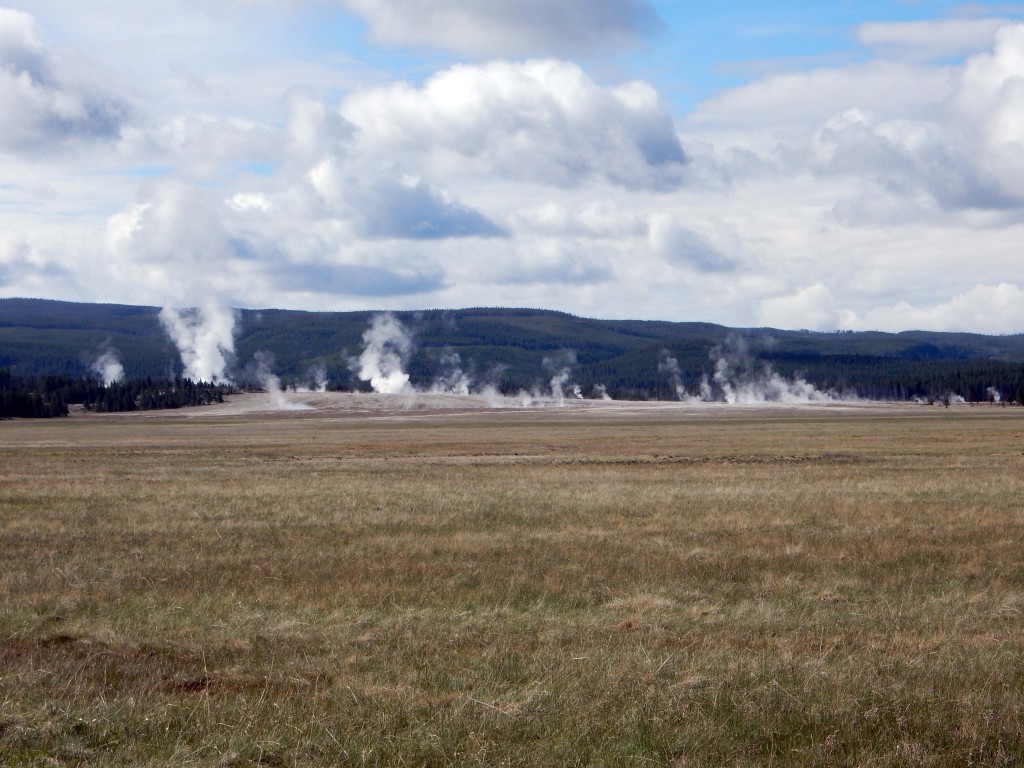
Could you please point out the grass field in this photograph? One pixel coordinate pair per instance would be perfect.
(666, 587)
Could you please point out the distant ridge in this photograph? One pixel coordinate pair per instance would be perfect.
(508, 347)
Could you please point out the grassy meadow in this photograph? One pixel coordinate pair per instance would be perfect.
(674, 587)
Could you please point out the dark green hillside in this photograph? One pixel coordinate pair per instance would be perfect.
(39, 338)
(523, 348)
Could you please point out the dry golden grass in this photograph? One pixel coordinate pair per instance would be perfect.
(745, 588)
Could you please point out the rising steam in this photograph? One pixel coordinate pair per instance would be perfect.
(387, 347)
(561, 368)
(452, 379)
(737, 379)
(262, 372)
(205, 338)
(669, 365)
(741, 382)
(108, 367)
(316, 380)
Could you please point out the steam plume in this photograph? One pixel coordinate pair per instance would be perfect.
(452, 379)
(562, 374)
(668, 364)
(205, 338)
(387, 346)
(493, 397)
(740, 382)
(266, 378)
(316, 378)
(108, 367)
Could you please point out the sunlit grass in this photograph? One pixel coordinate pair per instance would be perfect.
(798, 588)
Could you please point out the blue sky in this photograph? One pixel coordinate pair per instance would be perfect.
(697, 49)
(710, 46)
(828, 166)
(707, 47)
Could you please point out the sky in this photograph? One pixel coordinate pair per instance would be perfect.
(827, 166)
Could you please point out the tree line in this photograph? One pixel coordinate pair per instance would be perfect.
(47, 397)
(637, 375)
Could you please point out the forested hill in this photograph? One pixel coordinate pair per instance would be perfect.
(521, 348)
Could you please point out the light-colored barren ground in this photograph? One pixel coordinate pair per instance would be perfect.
(348, 404)
(376, 582)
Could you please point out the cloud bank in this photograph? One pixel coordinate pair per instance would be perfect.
(883, 190)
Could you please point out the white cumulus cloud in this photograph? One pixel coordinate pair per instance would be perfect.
(982, 309)
(968, 155)
(810, 308)
(539, 120)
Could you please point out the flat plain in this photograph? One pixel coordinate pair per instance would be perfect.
(442, 583)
